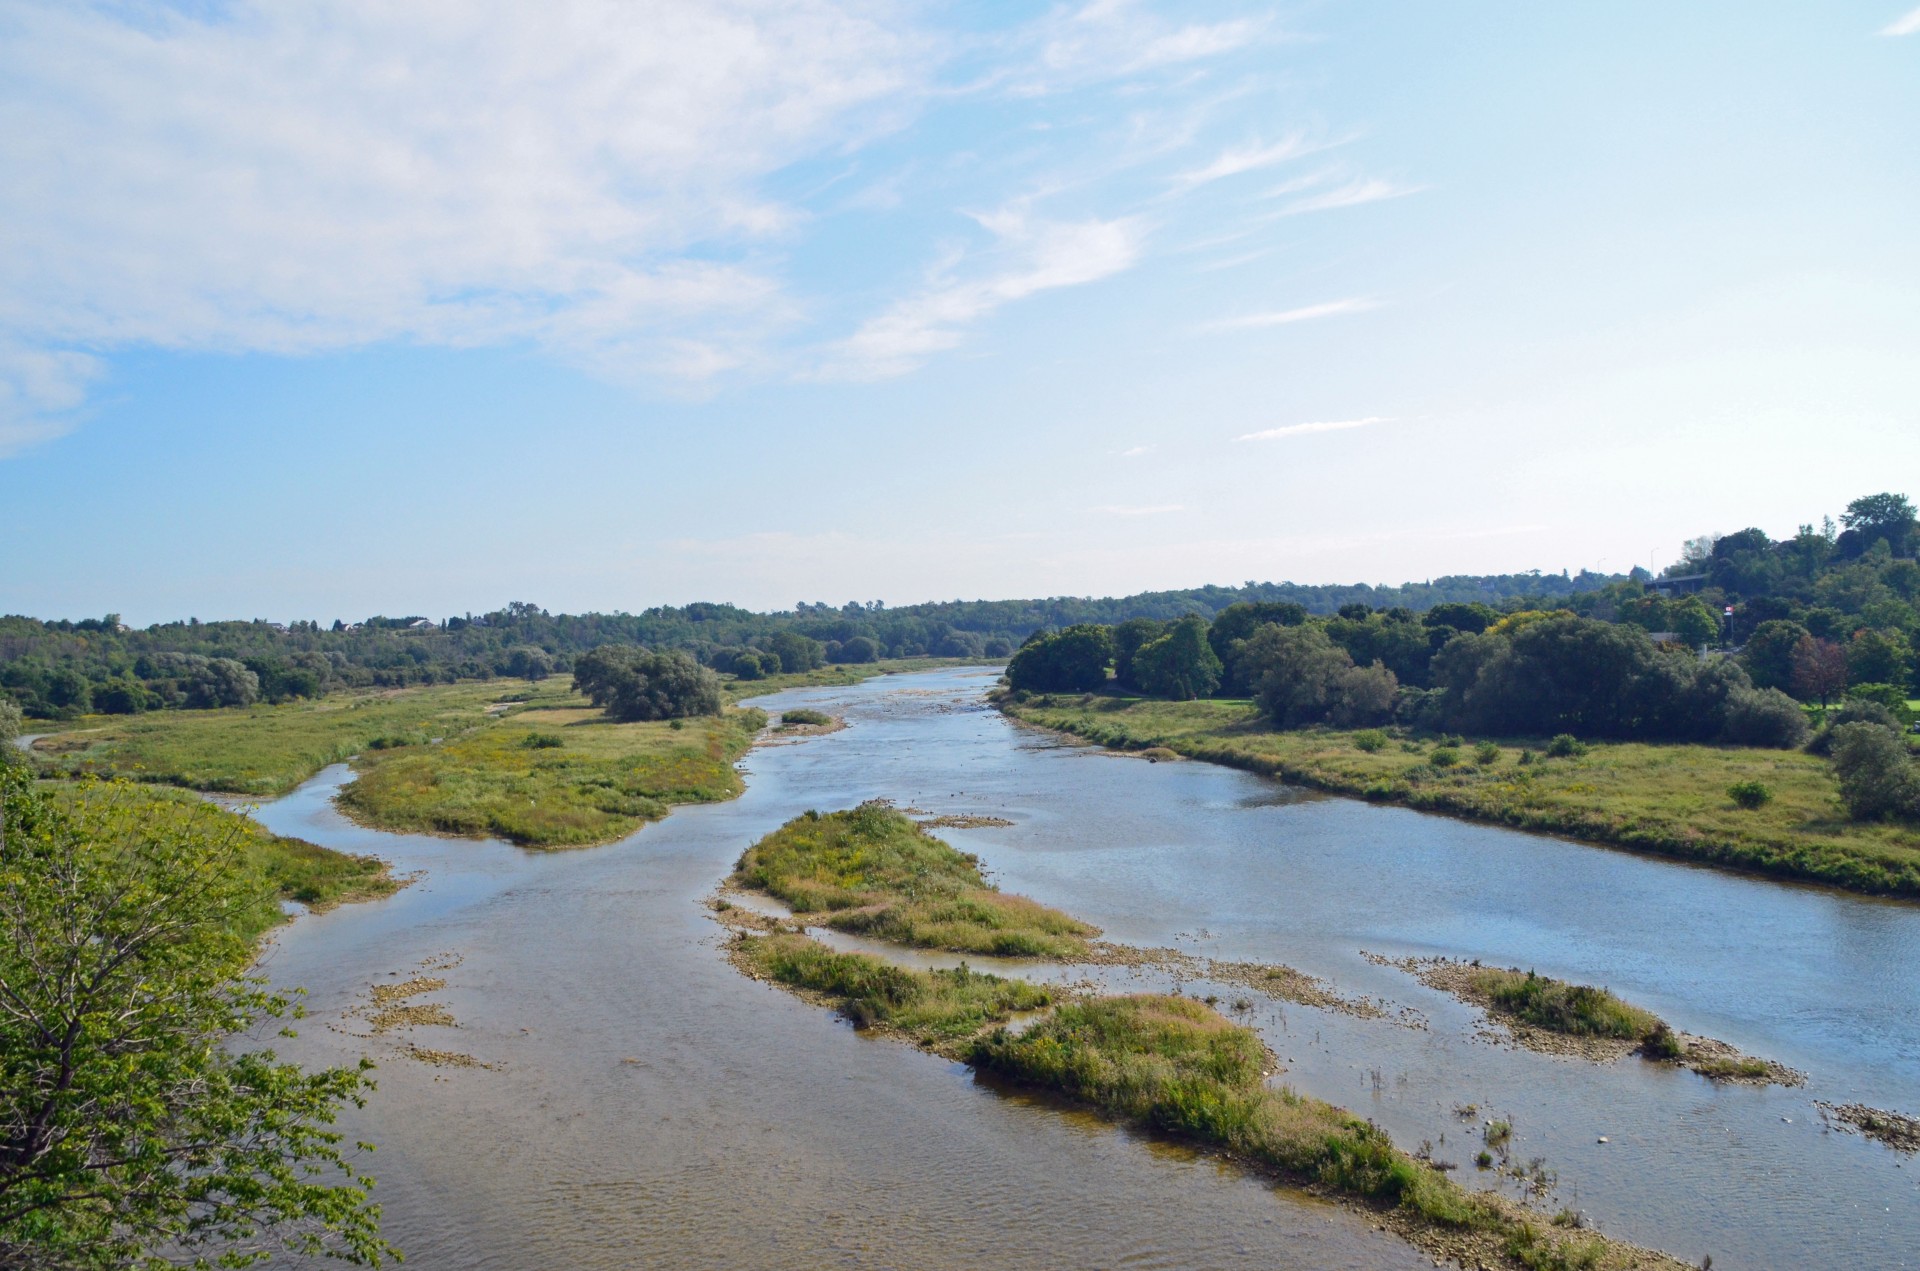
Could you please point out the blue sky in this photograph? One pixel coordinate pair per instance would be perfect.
(339, 307)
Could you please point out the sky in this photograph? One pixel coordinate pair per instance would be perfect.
(326, 308)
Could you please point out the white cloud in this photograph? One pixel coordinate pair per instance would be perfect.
(1109, 38)
(292, 177)
(1134, 452)
(1155, 509)
(1301, 430)
(1352, 194)
(1233, 162)
(39, 390)
(1306, 313)
(1907, 25)
(1031, 256)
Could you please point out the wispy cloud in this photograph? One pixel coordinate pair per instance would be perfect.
(1908, 25)
(1251, 158)
(1155, 509)
(1134, 452)
(1302, 430)
(1352, 194)
(1109, 38)
(1033, 256)
(1283, 317)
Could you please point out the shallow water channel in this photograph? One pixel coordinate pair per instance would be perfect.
(646, 1105)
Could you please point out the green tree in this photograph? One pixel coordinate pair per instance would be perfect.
(1768, 655)
(1180, 664)
(857, 650)
(632, 683)
(1882, 517)
(1694, 623)
(133, 1129)
(1879, 657)
(796, 652)
(1070, 661)
(1128, 639)
(1296, 673)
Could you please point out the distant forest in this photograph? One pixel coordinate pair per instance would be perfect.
(62, 668)
(1825, 609)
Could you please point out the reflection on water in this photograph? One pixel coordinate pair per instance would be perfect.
(652, 1107)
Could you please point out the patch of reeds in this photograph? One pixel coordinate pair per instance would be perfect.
(1577, 1009)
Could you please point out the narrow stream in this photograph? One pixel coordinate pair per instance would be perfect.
(646, 1105)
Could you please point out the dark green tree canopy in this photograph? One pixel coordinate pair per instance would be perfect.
(1179, 664)
(632, 683)
(1070, 661)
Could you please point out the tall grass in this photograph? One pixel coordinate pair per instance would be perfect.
(932, 1008)
(1576, 1009)
(872, 870)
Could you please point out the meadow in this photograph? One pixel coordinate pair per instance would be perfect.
(1668, 798)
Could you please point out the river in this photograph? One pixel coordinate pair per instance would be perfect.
(646, 1105)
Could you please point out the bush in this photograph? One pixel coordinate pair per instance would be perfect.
(1444, 757)
(1763, 717)
(1876, 774)
(631, 683)
(1486, 753)
(1853, 711)
(541, 741)
(812, 717)
(1370, 740)
(1566, 746)
(1750, 794)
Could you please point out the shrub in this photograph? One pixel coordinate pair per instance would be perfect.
(803, 716)
(1370, 740)
(541, 741)
(1444, 757)
(1750, 794)
(1486, 753)
(1852, 711)
(1876, 774)
(1566, 746)
(1763, 717)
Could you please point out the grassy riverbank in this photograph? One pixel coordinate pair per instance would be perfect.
(1666, 799)
(875, 872)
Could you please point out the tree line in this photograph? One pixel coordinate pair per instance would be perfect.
(63, 668)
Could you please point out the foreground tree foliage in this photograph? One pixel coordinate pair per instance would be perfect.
(632, 683)
(136, 1127)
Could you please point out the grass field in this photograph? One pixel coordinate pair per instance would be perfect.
(266, 750)
(873, 871)
(552, 773)
(1666, 799)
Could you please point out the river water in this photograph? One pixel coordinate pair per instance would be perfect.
(647, 1106)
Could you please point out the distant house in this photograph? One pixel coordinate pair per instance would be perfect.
(1685, 585)
(421, 624)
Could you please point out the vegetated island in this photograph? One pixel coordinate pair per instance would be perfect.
(1555, 1017)
(1163, 1064)
(539, 763)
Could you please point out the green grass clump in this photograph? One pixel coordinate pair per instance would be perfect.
(1576, 1009)
(1750, 794)
(804, 716)
(603, 782)
(873, 871)
(1370, 740)
(932, 1008)
(1668, 799)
